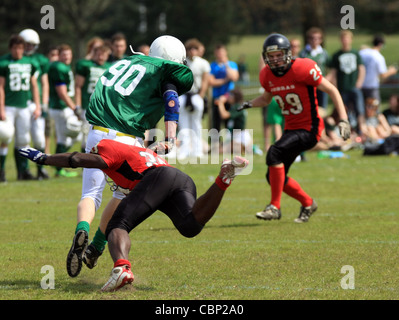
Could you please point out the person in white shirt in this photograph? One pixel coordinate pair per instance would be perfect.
(192, 103)
(376, 69)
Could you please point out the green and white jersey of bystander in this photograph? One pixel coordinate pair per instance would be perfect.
(60, 73)
(17, 74)
(44, 65)
(128, 96)
(91, 71)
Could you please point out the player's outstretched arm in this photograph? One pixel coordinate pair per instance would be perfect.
(336, 98)
(259, 102)
(65, 160)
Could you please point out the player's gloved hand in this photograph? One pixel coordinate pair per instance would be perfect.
(245, 105)
(163, 147)
(78, 112)
(33, 154)
(344, 129)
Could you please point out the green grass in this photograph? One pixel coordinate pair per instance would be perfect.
(236, 256)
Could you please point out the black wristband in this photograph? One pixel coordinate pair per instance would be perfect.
(42, 159)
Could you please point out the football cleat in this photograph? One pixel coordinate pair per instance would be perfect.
(231, 168)
(26, 175)
(74, 258)
(271, 212)
(42, 174)
(306, 212)
(91, 256)
(120, 276)
(66, 174)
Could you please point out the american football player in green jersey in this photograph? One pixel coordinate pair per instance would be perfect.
(62, 105)
(17, 86)
(32, 41)
(129, 98)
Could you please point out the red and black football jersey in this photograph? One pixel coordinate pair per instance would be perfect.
(126, 163)
(295, 92)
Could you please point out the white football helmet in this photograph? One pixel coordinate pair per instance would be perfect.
(32, 37)
(168, 48)
(6, 131)
(73, 126)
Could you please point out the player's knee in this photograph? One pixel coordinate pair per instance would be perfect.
(113, 224)
(273, 156)
(190, 228)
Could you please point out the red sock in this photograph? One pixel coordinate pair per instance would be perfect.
(122, 262)
(294, 190)
(276, 177)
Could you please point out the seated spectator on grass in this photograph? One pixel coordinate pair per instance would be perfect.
(377, 126)
(236, 121)
(392, 113)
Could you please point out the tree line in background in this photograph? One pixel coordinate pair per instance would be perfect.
(211, 21)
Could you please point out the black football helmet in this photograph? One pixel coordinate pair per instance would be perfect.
(277, 42)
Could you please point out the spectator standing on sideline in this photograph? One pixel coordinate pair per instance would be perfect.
(18, 85)
(347, 71)
(32, 42)
(52, 54)
(118, 47)
(376, 69)
(192, 103)
(314, 50)
(87, 74)
(224, 73)
(295, 47)
(62, 105)
(92, 44)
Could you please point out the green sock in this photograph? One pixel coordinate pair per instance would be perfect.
(60, 148)
(17, 159)
(83, 225)
(99, 240)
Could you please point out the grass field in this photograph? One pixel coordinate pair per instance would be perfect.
(236, 256)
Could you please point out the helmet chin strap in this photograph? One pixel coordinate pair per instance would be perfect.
(282, 70)
(134, 52)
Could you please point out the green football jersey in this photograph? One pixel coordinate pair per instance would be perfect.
(128, 96)
(60, 73)
(44, 64)
(17, 74)
(91, 71)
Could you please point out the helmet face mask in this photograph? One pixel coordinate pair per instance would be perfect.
(168, 48)
(277, 54)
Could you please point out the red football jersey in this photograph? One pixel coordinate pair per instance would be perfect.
(295, 92)
(126, 163)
